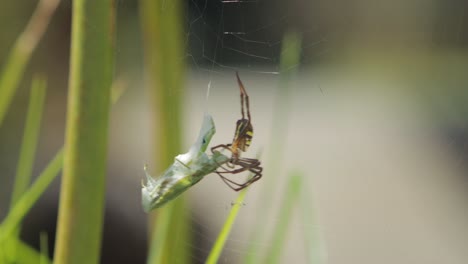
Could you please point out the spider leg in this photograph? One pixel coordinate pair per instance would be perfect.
(242, 169)
(247, 106)
(248, 163)
(245, 164)
(257, 175)
(229, 168)
(242, 105)
(223, 146)
(243, 95)
(231, 184)
(252, 165)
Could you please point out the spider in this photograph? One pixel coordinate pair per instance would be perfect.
(240, 143)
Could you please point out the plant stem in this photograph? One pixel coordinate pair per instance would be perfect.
(162, 28)
(284, 216)
(27, 200)
(21, 52)
(82, 194)
(290, 58)
(29, 143)
(217, 249)
(314, 244)
(43, 238)
(23, 253)
(30, 138)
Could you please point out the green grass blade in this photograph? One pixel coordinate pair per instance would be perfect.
(44, 246)
(159, 236)
(29, 198)
(21, 52)
(170, 225)
(29, 143)
(82, 194)
(30, 138)
(20, 252)
(32, 194)
(162, 27)
(217, 249)
(285, 215)
(315, 246)
(289, 60)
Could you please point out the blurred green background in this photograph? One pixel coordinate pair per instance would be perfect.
(376, 121)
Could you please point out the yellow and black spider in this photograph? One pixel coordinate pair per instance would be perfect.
(240, 143)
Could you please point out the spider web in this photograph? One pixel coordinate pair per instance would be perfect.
(218, 38)
(227, 36)
(352, 132)
(223, 37)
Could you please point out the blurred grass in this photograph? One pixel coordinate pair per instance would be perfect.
(81, 208)
(314, 243)
(162, 28)
(19, 56)
(21, 253)
(285, 214)
(289, 60)
(43, 245)
(289, 64)
(30, 139)
(17, 250)
(29, 198)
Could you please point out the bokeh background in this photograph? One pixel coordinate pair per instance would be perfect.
(376, 122)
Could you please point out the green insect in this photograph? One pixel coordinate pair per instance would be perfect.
(187, 170)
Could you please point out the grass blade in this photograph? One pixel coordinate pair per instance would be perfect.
(285, 215)
(81, 208)
(290, 58)
(44, 248)
(30, 138)
(162, 27)
(20, 252)
(20, 54)
(217, 249)
(315, 245)
(29, 144)
(29, 198)
(32, 194)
